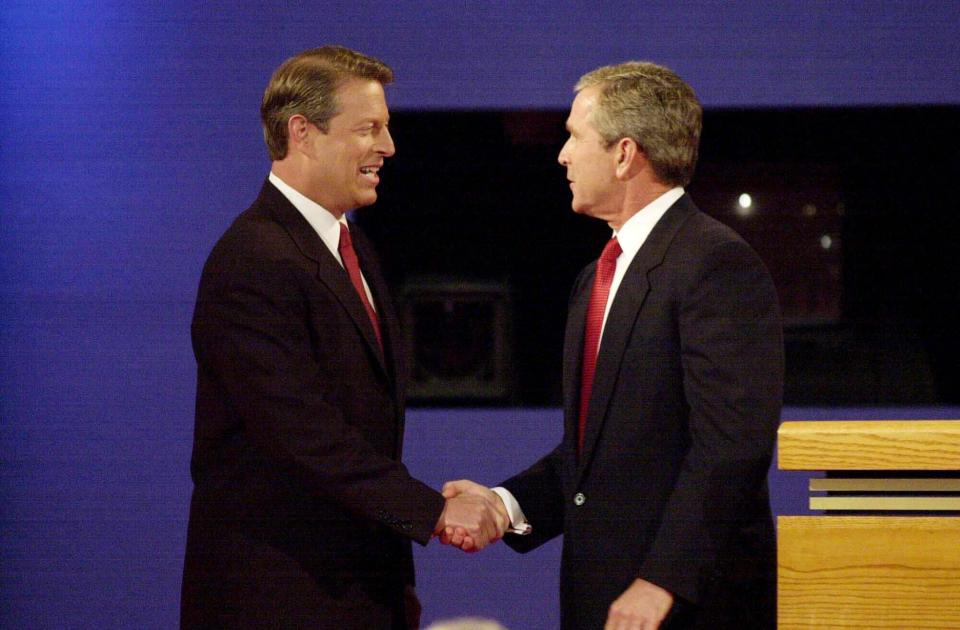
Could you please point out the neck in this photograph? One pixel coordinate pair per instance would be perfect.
(636, 199)
(294, 175)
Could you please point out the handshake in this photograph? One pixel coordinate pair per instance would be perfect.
(474, 516)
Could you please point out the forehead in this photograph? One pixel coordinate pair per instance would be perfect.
(362, 99)
(583, 104)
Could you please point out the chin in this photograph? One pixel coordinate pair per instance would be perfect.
(579, 208)
(366, 200)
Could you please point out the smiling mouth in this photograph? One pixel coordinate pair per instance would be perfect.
(370, 174)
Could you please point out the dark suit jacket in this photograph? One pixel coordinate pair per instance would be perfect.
(680, 431)
(302, 513)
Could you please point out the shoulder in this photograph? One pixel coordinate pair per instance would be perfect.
(707, 254)
(254, 248)
(702, 231)
(704, 238)
(253, 232)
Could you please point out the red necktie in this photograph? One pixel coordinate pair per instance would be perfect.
(352, 266)
(606, 266)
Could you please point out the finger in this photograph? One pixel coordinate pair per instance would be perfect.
(480, 537)
(615, 619)
(446, 535)
(453, 488)
(468, 487)
(630, 622)
(449, 490)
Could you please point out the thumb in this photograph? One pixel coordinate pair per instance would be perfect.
(453, 488)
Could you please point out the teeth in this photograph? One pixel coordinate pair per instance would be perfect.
(368, 170)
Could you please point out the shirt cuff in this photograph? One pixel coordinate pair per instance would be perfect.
(518, 522)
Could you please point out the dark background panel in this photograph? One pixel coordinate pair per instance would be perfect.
(129, 139)
(852, 212)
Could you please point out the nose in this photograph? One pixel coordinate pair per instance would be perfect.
(563, 158)
(385, 146)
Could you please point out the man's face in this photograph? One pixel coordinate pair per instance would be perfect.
(591, 167)
(344, 163)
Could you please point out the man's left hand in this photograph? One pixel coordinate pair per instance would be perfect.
(643, 606)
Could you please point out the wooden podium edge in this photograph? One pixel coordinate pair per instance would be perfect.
(903, 445)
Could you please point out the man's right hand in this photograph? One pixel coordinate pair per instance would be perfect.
(471, 519)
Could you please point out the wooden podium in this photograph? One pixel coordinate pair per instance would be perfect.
(886, 551)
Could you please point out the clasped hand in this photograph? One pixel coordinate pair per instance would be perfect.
(473, 517)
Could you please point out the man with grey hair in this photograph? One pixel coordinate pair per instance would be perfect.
(302, 512)
(672, 380)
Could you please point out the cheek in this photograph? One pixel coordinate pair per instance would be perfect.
(587, 172)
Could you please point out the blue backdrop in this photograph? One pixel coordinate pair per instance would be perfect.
(129, 138)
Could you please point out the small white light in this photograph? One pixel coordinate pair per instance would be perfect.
(826, 242)
(744, 207)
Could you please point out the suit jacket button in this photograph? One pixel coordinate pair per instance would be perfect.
(579, 499)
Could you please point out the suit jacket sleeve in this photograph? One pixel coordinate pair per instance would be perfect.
(731, 352)
(538, 490)
(251, 335)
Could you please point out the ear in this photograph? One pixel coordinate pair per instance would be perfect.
(630, 158)
(298, 131)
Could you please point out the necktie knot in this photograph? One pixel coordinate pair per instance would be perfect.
(611, 251)
(345, 241)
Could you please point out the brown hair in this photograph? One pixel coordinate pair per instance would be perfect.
(655, 108)
(307, 85)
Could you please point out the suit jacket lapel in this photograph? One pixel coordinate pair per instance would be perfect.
(389, 325)
(393, 356)
(622, 317)
(329, 271)
(573, 351)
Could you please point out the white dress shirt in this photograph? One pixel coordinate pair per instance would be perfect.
(321, 220)
(631, 236)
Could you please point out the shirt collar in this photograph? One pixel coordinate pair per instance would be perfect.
(320, 219)
(634, 232)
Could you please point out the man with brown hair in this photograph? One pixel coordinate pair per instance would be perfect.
(302, 513)
(672, 381)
